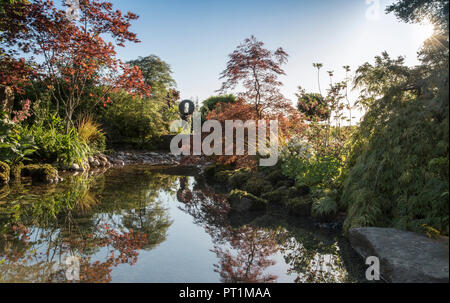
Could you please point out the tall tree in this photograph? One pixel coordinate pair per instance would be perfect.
(400, 153)
(435, 52)
(257, 70)
(13, 70)
(157, 74)
(416, 11)
(73, 55)
(313, 106)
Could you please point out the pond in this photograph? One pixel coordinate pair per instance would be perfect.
(140, 224)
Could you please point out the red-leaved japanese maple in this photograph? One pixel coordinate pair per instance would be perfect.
(257, 70)
(71, 56)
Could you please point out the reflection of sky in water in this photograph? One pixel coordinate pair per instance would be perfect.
(187, 254)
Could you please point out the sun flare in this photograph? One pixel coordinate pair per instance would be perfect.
(423, 31)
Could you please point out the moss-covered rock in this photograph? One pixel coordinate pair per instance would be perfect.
(285, 183)
(278, 196)
(239, 177)
(16, 171)
(275, 176)
(257, 186)
(302, 190)
(300, 206)
(223, 176)
(240, 200)
(4, 173)
(4, 191)
(41, 173)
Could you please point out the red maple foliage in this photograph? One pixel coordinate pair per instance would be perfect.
(289, 120)
(257, 70)
(71, 55)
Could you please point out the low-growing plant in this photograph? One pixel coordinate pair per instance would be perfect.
(325, 207)
(237, 198)
(91, 133)
(16, 144)
(57, 145)
(307, 167)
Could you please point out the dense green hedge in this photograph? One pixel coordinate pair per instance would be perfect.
(400, 172)
(136, 123)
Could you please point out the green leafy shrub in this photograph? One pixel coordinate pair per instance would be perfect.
(136, 122)
(324, 208)
(307, 167)
(16, 144)
(399, 157)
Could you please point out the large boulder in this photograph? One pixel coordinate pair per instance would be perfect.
(405, 257)
(42, 173)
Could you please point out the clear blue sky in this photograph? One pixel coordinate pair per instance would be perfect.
(196, 36)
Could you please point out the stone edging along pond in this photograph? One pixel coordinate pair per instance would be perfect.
(123, 158)
(48, 174)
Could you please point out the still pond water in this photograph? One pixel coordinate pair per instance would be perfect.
(139, 224)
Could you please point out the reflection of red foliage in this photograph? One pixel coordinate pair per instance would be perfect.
(289, 122)
(251, 247)
(247, 263)
(125, 244)
(122, 248)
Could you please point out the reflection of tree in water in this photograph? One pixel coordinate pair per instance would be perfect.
(248, 255)
(243, 252)
(86, 218)
(107, 221)
(246, 252)
(152, 220)
(184, 194)
(312, 260)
